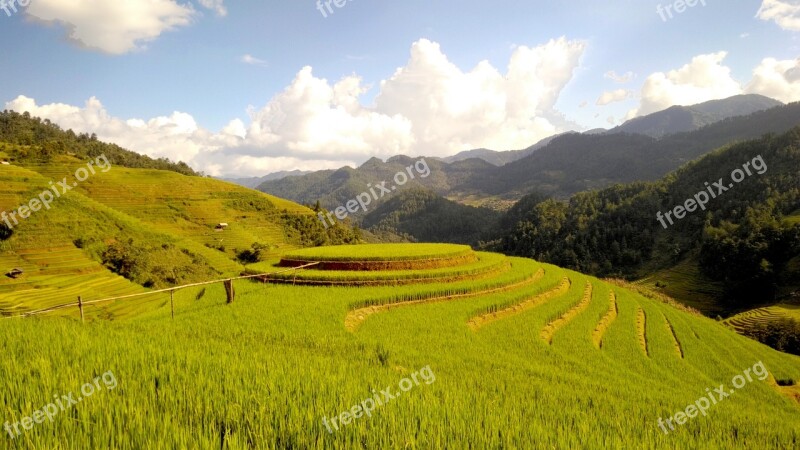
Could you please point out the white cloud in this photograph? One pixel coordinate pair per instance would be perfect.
(114, 27)
(453, 110)
(428, 107)
(703, 79)
(622, 79)
(612, 97)
(777, 79)
(252, 60)
(611, 120)
(785, 13)
(217, 5)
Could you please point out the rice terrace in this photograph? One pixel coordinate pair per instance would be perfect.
(246, 225)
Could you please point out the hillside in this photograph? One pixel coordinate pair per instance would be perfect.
(680, 119)
(742, 250)
(114, 230)
(500, 352)
(25, 140)
(423, 214)
(254, 182)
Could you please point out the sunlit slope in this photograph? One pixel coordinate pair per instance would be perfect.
(518, 359)
(165, 214)
(191, 206)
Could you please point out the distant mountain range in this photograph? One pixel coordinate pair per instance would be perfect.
(500, 158)
(565, 165)
(254, 182)
(676, 119)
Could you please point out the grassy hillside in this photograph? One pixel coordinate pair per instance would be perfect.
(533, 357)
(739, 250)
(124, 230)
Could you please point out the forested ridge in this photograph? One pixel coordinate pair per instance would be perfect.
(31, 140)
(744, 238)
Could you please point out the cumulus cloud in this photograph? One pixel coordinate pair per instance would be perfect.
(454, 110)
(785, 13)
(704, 78)
(114, 27)
(428, 107)
(621, 79)
(777, 79)
(612, 97)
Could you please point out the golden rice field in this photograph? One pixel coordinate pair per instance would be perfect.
(523, 355)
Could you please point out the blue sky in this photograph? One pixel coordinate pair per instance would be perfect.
(251, 87)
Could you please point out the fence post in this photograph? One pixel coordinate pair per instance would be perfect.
(172, 302)
(294, 278)
(80, 307)
(229, 291)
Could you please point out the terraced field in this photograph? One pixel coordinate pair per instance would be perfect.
(747, 319)
(530, 356)
(533, 356)
(59, 249)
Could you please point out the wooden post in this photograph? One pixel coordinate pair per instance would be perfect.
(80, 307)
(294, 278)
(229, 290)
(172, 302)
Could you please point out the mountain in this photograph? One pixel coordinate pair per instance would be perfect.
(742, 249)
(500, 158)
(254, 182)
(428, 217)
(568, 164)
(679, 119)
(576, 162)
(333, 188)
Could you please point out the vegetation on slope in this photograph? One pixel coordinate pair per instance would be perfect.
(154, 228)
(25, 139)
(430, 218)
(281, 356)
(740, 240)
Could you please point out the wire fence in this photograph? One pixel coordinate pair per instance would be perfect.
(227, 282)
